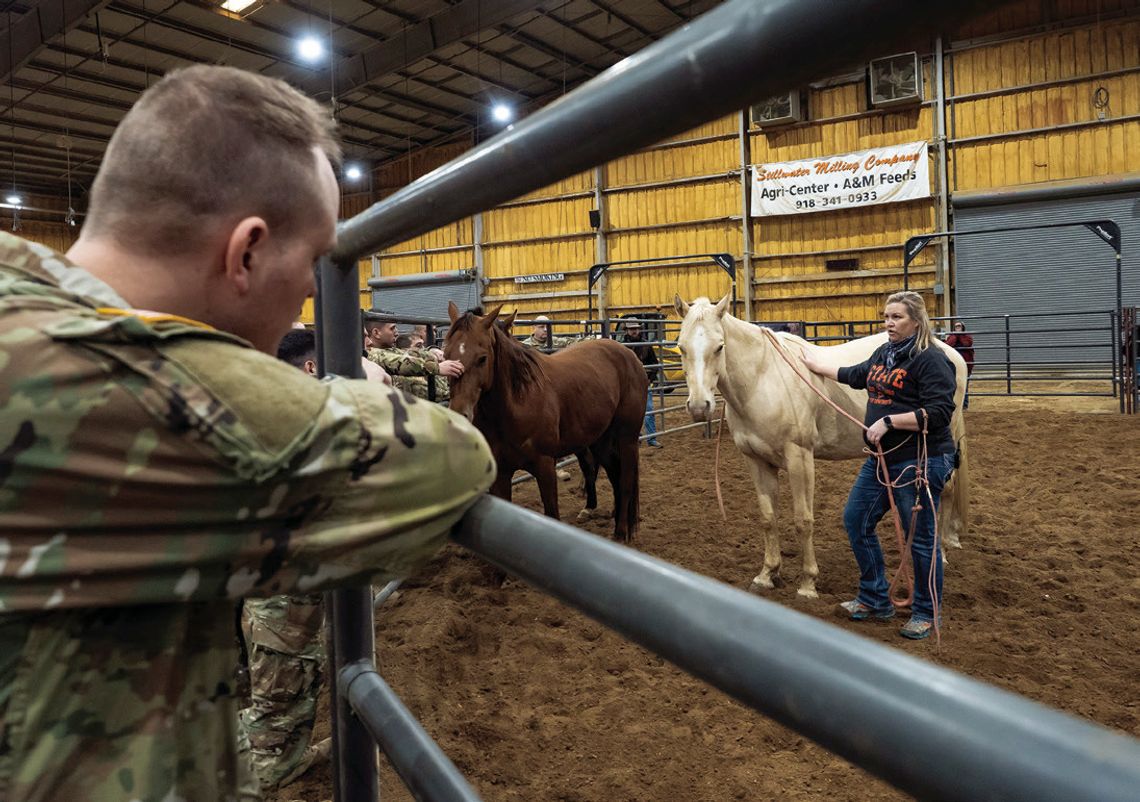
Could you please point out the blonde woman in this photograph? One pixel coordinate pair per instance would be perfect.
(910, 398)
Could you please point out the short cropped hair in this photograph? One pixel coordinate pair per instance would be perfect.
(404, 341)
(297, 347)
(204, 145)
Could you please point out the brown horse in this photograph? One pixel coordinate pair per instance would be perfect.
(588, 400)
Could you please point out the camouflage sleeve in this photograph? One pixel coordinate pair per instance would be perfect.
(149, 466)
(404, 362)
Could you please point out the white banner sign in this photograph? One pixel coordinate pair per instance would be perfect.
(881, 175)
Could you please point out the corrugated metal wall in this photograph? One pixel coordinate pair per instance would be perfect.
(650, 217)
(1030, 109)
(547, 231)
(1020, 86)
(1037, 91)
(792, 281)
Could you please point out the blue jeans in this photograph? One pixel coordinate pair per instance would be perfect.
(867, 504)
(650, 418)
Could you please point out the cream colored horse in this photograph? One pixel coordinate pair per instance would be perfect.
(778, 422)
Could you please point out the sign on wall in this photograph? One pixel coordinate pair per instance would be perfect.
(538, 278)
(865, 178)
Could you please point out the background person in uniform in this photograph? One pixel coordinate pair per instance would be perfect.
(538, 337)
(419, 340)
(910, 387)
(411, 369)
(282, 635)
(648, 357)
(300, 351)
(963, 343)
(197, 469)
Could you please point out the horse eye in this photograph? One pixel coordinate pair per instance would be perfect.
(720, 348)
(481, 360)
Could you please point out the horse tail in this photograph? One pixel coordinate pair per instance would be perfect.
(955, 505)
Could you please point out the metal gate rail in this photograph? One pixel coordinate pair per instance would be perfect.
(966, 740)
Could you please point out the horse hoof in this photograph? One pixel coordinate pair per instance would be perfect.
(807, 593)
(563, 476)
(759, 585)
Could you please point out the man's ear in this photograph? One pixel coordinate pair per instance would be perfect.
(245, 252)
(310, 367)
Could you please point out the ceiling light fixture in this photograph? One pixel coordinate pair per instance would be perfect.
(502, 113)
(13, 200)
(310, 48)
(237, 6)
(353, 172)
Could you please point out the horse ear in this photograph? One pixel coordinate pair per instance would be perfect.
(722, 304)
(488, 320)
(681, 307)
(508, 321)
(452, 311)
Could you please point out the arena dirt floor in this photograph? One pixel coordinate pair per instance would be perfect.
(535, 702)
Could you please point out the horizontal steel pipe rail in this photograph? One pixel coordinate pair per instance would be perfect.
(965, 740)
(427, 772)
(715, 65)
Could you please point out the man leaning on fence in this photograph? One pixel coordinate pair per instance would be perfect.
(160, 464)
(539, 337)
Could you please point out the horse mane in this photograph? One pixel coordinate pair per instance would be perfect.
(515, 362)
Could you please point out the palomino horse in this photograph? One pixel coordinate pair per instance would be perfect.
(587, 399)
(778, 422)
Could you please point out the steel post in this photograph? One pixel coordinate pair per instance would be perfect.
(349, 610)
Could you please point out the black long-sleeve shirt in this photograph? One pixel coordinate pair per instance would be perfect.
(919, 380)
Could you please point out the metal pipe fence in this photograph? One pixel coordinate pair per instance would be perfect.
(853, 696)
(1078, 346)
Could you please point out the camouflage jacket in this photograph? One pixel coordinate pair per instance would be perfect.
(411, 369)
(155, 470)
(556, 343)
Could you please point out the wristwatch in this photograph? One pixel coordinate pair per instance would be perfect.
(887, 423)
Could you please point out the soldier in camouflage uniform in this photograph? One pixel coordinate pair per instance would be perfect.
(159, 463)
(286, 654)
(410, 368)
(538, 338)
(285, 649)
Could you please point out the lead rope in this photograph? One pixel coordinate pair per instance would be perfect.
(716, 466)
(904, 570)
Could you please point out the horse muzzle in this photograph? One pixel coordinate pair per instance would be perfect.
(699, 410)
(467, 412)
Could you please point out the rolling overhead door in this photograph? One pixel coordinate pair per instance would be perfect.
(1050, 270)
(425, 295)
